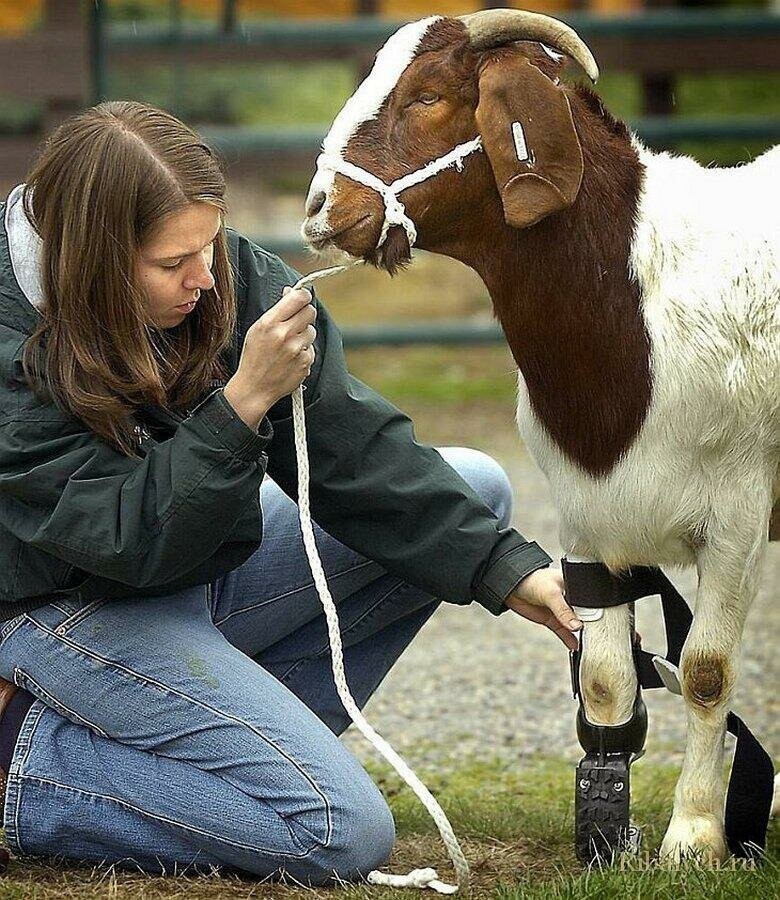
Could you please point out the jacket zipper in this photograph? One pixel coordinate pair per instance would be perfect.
(141, 434)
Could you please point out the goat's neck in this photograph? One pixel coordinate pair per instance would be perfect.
(571, 314)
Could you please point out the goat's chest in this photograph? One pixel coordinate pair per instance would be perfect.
(711, 436)
(704, 256)
(642, 512)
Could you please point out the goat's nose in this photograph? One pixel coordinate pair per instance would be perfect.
(315, 203)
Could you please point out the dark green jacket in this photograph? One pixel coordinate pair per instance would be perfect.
(78, 517)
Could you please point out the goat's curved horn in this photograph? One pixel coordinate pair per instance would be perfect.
(493, 27)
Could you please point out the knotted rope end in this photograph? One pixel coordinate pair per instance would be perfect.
(419, 878)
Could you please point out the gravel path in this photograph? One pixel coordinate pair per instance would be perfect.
(474, 684)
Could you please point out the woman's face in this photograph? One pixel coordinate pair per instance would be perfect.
(174, 265)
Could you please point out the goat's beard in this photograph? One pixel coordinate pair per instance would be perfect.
(394, 254)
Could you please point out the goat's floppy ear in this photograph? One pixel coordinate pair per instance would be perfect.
(529, 136)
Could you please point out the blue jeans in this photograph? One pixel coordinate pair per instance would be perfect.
(198, 731)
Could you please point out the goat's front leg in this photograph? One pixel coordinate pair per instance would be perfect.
(607, 676)
(728, 581)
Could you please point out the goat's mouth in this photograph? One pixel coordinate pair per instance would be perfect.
(347, 238)
(358, 240)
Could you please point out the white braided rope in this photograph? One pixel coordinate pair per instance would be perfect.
(418, 877)
(395, 211)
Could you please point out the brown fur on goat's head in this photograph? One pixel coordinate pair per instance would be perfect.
(447, 94)
(545, 215)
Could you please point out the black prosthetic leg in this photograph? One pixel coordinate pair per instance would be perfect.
(602, 791)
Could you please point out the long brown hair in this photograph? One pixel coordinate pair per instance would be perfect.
(103, 182)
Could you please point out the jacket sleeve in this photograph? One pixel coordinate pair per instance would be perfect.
(137, 521)
(377, 489)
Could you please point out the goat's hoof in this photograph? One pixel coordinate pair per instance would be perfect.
(698, 838)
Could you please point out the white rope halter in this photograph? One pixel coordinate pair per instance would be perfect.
(395, 212)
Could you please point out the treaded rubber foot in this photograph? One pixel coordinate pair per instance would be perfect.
(601, 809)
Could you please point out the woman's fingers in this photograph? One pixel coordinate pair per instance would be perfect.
(563, 612)
(539, 598)
(569, 639)
(292, 303)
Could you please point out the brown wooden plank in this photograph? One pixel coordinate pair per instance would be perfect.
(143, 55)
(643, 55)
(63, 13)
(45, 64)
(687, 54)
(16, 157)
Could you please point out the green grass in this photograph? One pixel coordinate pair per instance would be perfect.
(438, 376)
(451, 379)
(272, 93)
(514, 820)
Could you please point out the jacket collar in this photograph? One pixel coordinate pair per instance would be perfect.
(21, 294)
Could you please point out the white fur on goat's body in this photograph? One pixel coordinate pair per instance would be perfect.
(705, 254)
(704, 466)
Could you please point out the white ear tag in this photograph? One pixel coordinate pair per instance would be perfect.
(521, 148)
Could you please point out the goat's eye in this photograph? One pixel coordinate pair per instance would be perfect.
(428, 98)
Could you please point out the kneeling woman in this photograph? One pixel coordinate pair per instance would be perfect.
(168, 700)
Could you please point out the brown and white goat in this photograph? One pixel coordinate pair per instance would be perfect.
(639, 295)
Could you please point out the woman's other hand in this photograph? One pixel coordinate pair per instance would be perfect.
(539, 598)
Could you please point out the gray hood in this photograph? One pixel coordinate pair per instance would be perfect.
(25, 248)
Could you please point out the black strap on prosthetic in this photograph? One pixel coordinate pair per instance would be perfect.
(751, 783)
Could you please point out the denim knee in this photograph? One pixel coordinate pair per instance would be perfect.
(362, 839)
(485, 476)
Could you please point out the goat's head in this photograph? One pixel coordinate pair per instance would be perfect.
(436, 85)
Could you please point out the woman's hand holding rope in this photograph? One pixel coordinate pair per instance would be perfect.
(278, 354)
